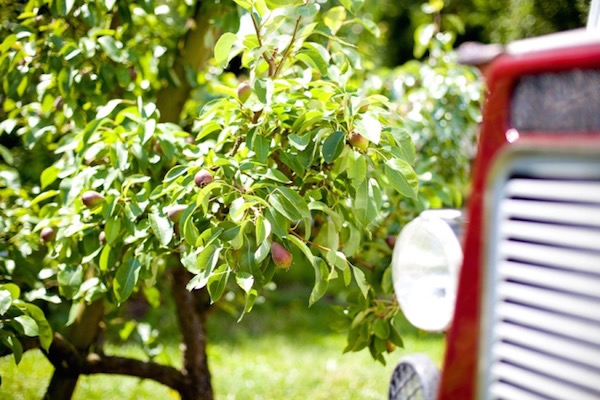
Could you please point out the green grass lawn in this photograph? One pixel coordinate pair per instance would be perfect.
(281, 350)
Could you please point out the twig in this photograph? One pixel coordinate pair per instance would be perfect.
(287, 49)
(269, 60)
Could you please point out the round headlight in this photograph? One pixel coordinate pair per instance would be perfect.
(425, 265)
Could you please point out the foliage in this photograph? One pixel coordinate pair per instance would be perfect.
(299, 150)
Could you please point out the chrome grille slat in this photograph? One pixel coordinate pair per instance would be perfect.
(553, 367)
(557, 235)
(505, 391)
(544, 385)
(549, 299)
(554, 190)
(551, 344)
(550, 256)
(573, 214)
(550, 322)
(563, 280)
(544, 282)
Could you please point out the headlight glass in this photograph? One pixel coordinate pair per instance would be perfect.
(425, 265)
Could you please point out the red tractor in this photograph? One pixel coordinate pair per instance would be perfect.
(519, 294)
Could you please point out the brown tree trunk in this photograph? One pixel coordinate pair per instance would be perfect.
(81, 335)
(195, 53)
(191, 315)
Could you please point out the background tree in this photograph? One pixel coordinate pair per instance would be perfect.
(137, 167)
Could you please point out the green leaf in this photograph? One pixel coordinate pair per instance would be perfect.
(333, 146)
(284, 207)
(44, 330)
(402, 177)
(49, 175)
(5, 301)
(44, 196)
(126, 278)
(320, 268)
(262, 251)
(263, 88)
(69, 280)
(313, 59)
(357, 168)
(62, 7)
(274, 4)
(249, 302)
(11, 341)
(245, 4)
(296, 200)
(111, 47)
(161, 227)
(361, 203)
(263, 229)
(321, 281)
(218, 282)
(223, 48)
(208, 258)
(423, 35)
(334, 18)
(369, 127)
(308, 10)
(279, 224)
(112, 229)
(381, 328)
(244, 280)
(28, 325)
(361, 280)
(106, 258)
(13, 289)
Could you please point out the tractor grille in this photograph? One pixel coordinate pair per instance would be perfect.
(565, 101)
(543, 316)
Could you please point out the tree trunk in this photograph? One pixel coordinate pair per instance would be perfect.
(191, 315)
(81, 335)
(195, 52)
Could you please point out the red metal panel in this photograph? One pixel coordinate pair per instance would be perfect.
(460, 369)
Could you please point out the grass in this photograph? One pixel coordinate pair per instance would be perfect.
(281, 350)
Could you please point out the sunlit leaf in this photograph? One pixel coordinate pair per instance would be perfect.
(223, 48)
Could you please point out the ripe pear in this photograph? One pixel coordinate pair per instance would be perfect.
(174, 212)
(391, 241)
(48, 234)
(203, 178)
(358, 141)
(92, 199)
(281, 257)
(244, 91)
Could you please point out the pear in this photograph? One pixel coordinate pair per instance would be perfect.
(48, 234)
(281, 257)
(174, 212)
(203, 178)
(92, 199)
(244, 91)
(358, 141)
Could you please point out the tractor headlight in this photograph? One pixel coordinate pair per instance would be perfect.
(425, 265)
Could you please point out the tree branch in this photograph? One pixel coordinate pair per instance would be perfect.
(102, 364)
(62, 354)
(287, 49)
(269, 60)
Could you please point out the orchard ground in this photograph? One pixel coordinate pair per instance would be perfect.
(281, 350)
